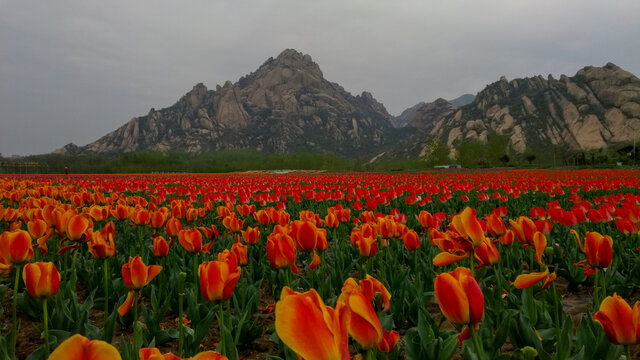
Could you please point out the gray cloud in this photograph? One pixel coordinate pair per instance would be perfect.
(71, 71)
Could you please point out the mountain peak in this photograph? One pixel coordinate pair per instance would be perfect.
(291, 58)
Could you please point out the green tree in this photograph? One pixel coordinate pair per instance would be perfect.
(471, 153)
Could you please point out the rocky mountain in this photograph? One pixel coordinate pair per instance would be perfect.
(463, 100)
(426, 110)
(596, 108)
(284, 106)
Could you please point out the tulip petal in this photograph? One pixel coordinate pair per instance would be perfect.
(126, 305)
(301, 323)
(364, 326)
(78, 347)
(152, 271)
(445, 258)
(616, 318)
(452, 300)
(525, 280)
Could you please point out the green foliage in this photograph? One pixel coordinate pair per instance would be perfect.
(436, 152)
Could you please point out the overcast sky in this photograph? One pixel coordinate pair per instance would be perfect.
(72, 71)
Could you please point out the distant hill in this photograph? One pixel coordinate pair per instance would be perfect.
(599, 107)
(462, 100)
(285, 106)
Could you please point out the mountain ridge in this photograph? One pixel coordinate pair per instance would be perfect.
(287, 105)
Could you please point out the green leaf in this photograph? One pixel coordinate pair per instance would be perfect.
(448, 347)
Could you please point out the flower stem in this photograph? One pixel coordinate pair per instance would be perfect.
(182, 278)
(223, 350)
(45, 313)
(476, 342)
(629, 352)
(135, 317)
(106, 290)
(556, 305)
(471, 256)
(596, 293)
(195, 277)
(369, 355)
(498, 291)
(14, 328)
(603, 290)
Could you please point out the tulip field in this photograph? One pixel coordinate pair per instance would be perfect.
(512, 264)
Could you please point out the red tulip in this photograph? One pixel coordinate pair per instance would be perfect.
(459, 297)
(173, 227)
(160, 247)
(621, 324)
(598, 248)
(281, 251)
(251, 236)
(389, 341)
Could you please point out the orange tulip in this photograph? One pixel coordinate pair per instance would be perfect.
(232, 223)
(389, 341)
(467, 224)
(218, 279)
(173, 227)
(98, 213)
(620, 323)
(487, 254)
(459, 297)
(77, 226)
(411, 240)
(387, 227)
(262, 217)
(5, 267)
(315, 261)
(311, 329)
(364, 325)
(453, 246)
(507, 238)
(539, 244)
(245, 210)
(41, 279)
(331, 220)
(281, 251)
(251, 235)
(495, 225)
(37, 228)
(598, 248)
(15, 247)
(368, 246)
(140, 216)
(121, 212)
(40, 231)
(155, 354)
(136, 275)
(100, 247)
(240, 252)
(523, 229)
(427, 220)
(191, 240)
(305, 234)
(78, 347)
(321, 243)
(158, 219)
(160, 247)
